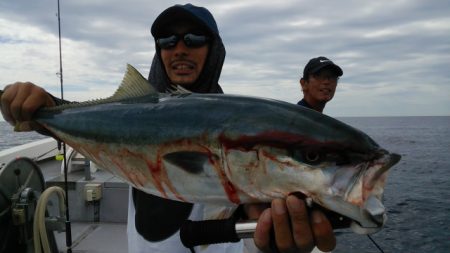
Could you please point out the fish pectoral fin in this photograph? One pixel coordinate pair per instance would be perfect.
(190, 161)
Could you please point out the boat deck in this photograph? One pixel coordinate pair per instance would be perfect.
(96, 227)
(92, 237)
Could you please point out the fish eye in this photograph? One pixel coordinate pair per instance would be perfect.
(308, 156)
(312, 157)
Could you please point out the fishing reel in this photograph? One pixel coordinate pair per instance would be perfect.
(21, 184)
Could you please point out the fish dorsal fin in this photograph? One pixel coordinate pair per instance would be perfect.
(133, 85)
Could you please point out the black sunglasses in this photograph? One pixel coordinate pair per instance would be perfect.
(189, 39)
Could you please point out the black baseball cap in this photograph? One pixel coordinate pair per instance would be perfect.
(318, 63)
(177, 13)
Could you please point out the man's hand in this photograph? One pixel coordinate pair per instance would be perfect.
(20, 101)
(294, 230)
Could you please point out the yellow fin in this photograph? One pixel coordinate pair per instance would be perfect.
(133, 85)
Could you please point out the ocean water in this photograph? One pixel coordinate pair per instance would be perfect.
(417, 193)
(9, 138)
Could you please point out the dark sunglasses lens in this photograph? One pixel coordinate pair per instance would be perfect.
(192, 40)
(167, 42)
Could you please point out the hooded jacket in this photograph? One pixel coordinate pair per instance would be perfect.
(157, 218)
(209, 78)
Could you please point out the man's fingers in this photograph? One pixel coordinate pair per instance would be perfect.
(282, 226)
(323, 232)
(31, 104)
(6, 113)
(262, 232)
(20, 101)
(7, 97)
(22, 93)
(295, 229)
(300, 222)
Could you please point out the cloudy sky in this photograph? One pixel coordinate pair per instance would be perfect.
(395, 53)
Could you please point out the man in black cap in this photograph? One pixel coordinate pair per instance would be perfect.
(319, 81)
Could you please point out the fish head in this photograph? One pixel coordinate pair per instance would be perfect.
(355, 190)
(351, 188)
(335, 165)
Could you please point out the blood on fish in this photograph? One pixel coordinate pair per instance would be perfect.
(130, 176)
(274, 158)
(228, 187)
(160, 177)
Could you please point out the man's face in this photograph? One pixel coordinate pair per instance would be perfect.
(321, 86)
(184, 64)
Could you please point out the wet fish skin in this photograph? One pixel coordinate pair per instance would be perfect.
(227, 149)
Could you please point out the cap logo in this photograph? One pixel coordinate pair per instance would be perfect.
(321, 61)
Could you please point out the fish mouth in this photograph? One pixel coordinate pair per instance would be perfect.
(394, 159)
(375, 174)
(372, 215)
(357, 193)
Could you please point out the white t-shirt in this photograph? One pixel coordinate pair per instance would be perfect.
(138, 244)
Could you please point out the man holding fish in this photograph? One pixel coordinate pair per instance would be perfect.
(190, 53)
(275, 156)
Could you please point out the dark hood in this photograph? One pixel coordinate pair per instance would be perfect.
(208, 81)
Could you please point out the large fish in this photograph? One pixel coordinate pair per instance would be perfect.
(227, 149)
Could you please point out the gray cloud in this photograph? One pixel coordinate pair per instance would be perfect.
(395, 54)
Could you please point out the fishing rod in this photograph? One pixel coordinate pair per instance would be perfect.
(66, 187)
